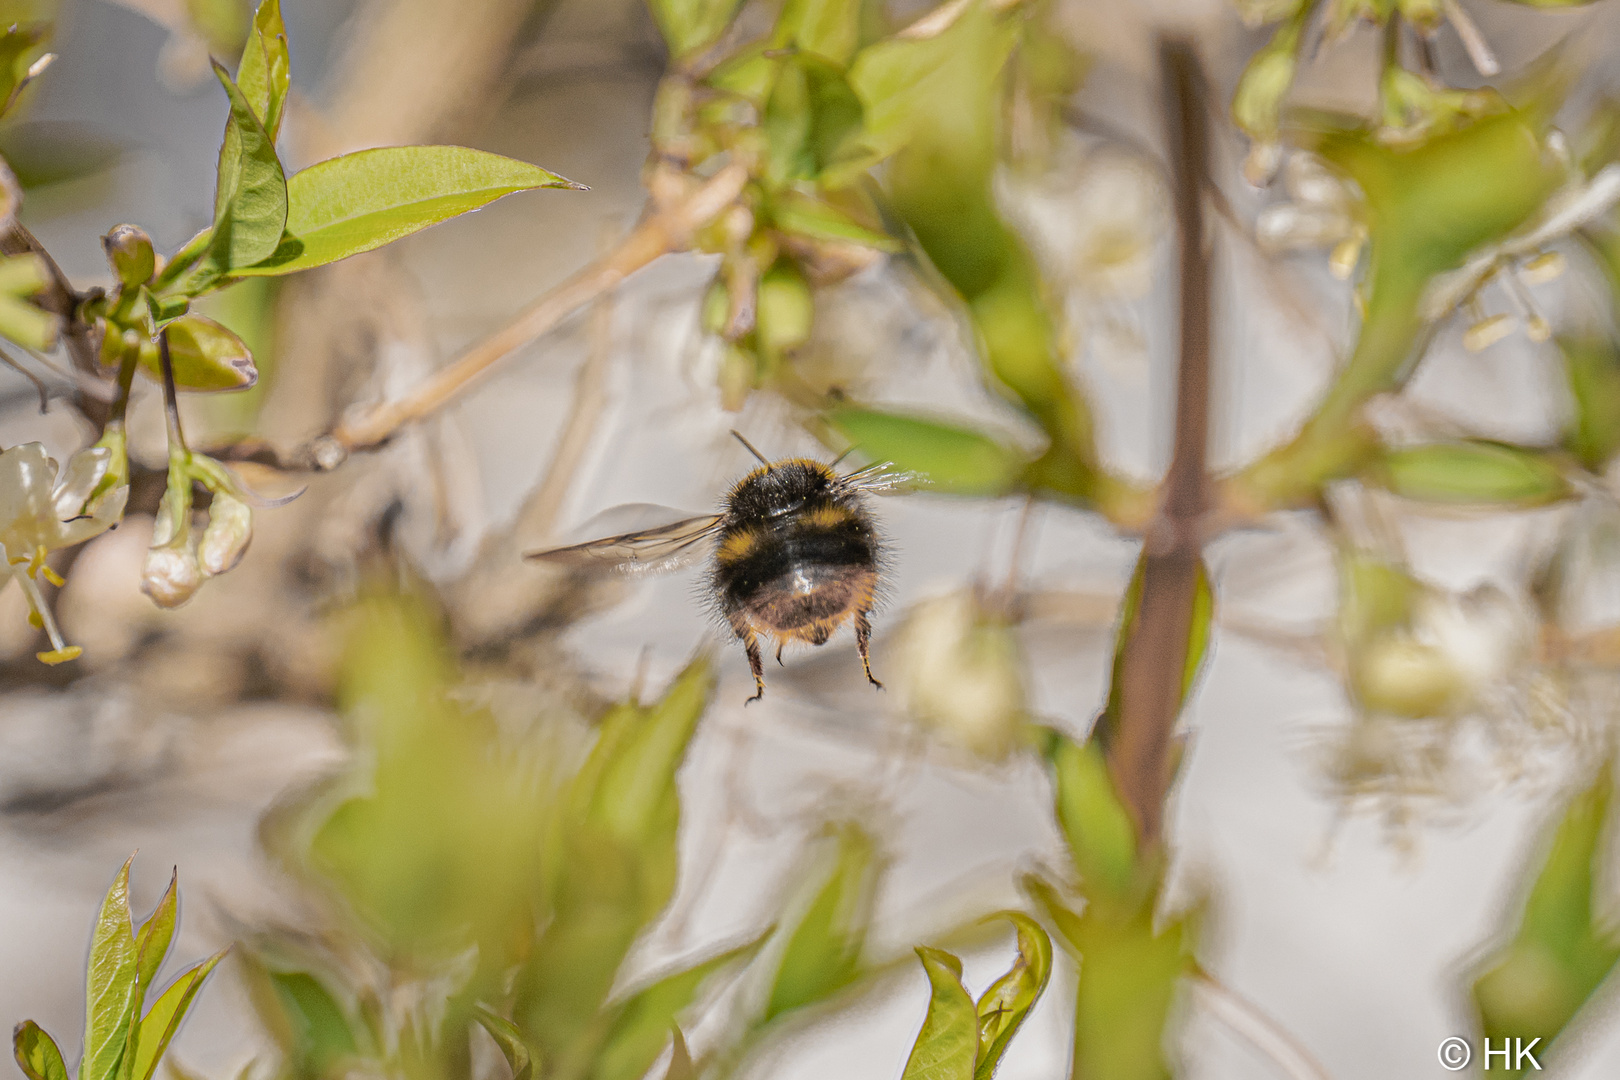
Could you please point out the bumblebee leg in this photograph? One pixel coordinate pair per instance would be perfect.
(745, 634)
(779, 645)
(863, 635)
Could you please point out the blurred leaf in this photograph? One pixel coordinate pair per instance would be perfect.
(1561, 954)
(251, 200)
(152, 943)
(613, 862)
(319, 1036)
(510, 1040)
(1098, 827)
(823, 951)
(1003, 1007)
(689, 25)
(810, 119)
(1198, 630)
(1592, 366)
(795, 212)
(1473, 472)
(37, 1053)
(948, 1043)
(264, 71)
(162, 1020)
(953, 459)
(640, 1024)
(109, 984)
(22, 275)
(1128, 977)
(45, 152)
(206, 356)
(21, 45)
(829, 29)
(27, 325)
(357, 202)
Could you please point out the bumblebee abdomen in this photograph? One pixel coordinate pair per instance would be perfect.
(800, 577)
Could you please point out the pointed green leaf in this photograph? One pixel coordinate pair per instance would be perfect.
(357, 202)
(264, 72)
(152, 943)
(207, 357)
(1098, 827)
(1003, 1007)
(251, 200)
(680, 1059)
(795, 212)
(952, 459)
(318, 1030)
(37, 1053)
(642, 1021)
(823, 952)
(163, 1019)
(1475, 471)
(510, 1040)
(110, 984)
(948, 1043)
(1563, 951)
(689, 25)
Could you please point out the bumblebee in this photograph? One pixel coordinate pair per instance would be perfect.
(794, 553)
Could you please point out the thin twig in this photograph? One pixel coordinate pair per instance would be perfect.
(1138, 740)
(660, 233)
(1246, 1020)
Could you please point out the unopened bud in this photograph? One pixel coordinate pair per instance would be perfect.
(1257, 105)
(171, 575)
(230, 529)
(129, 253)
(785, 310)
(1395, 674)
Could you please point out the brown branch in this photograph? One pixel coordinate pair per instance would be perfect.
(662, 232)
(1139, 739)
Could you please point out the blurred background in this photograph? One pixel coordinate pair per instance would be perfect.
(1352, 872)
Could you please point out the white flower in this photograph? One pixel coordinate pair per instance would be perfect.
(38, 515)
(1323, 212)
(961, 674)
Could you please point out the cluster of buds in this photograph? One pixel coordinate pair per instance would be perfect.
(181, 556)
(40, 514)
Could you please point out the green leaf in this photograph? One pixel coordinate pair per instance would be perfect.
(510, 1040)
(823, 951)
(20, 46)
(812, 119)
(264, 72)
(1198, 631)
(829, 29)
(251, 199)
(1094, 820)
(952, 459)
(207, 357)
(1003, 1007)
(109, 984)
(163, 1019)
(1592, 367)
(796, 212)
(37, 1053)
(357, 202)
(689, 25)
(1473, 472)
(1562, 952)
(152, 943)
(641, 1023)
(318, 1031)
(948, 1044)
(28, 325)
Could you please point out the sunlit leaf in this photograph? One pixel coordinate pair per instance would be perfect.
(357, 202)
(824, 945)
(37, 1053)
(206, 356)
(948, 1044)
(162, 1020)
(152, 943)
(251, 200)
(110, 983)
(1004, 1006)
(1473, 472)
(951, 458)
(264, 71)
(641, 1023)
(510, 1040)
(1563, 951)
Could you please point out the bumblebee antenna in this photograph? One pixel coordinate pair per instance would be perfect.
(763, 460)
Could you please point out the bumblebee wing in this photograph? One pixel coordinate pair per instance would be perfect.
(882, 478)
(646, 551)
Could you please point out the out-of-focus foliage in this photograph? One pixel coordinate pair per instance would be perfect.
(124, 1039)
(1566, 944)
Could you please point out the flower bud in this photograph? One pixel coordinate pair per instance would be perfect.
(171, 575)
(1257, 104)
(230, 528)
(785, 310)
(1397, 675)
(962, 675)
(129, 253)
